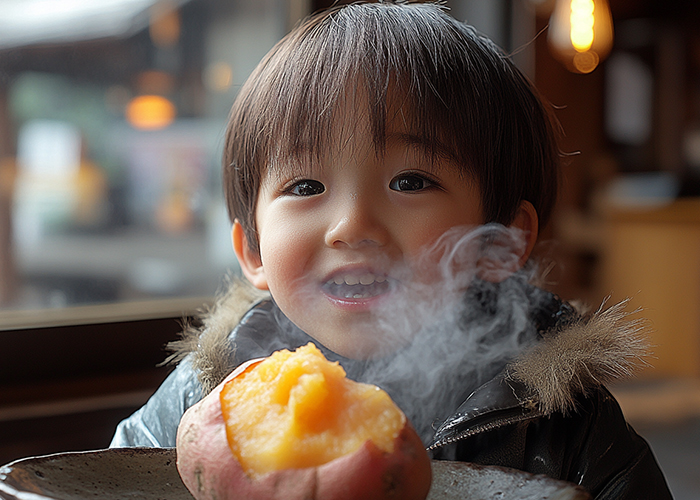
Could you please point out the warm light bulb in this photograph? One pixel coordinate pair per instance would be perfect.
(581, 33)
(582, 20)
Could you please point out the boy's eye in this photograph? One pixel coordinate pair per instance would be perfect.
(409, 182)
(306, 187)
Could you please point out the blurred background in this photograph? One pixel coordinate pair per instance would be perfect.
(113, 228)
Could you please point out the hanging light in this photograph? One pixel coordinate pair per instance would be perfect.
(581, 33)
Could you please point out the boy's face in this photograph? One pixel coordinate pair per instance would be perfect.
(338, 240)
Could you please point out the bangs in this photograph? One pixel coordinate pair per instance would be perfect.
(375, 59)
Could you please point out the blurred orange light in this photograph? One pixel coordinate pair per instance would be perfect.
(150, 112)
(218, 76)
(154, 82)
(164, 27)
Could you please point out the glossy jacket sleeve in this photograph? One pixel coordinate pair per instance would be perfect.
(592, 446)
(155, 424)
(613, 461)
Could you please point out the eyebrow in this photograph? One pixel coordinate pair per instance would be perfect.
(292, 166)
(428, 147)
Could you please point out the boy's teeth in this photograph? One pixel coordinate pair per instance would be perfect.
(362, 285)
(352, 279)
(367, 279)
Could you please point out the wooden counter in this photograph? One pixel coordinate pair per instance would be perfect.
(652, 255)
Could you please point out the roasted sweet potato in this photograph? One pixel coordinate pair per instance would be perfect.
(293, 427)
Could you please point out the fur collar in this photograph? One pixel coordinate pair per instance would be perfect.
(206, 339)
(594, 350)
(573, 358)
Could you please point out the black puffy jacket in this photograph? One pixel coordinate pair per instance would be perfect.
(545, 412)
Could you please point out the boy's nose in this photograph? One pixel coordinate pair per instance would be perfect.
(357, 224)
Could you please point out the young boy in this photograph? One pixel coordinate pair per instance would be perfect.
(387, 170)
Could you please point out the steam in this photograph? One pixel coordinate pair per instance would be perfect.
(458, 328)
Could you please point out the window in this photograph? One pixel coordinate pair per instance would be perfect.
(112, 115)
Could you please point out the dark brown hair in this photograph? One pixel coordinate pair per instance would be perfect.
(463, 95)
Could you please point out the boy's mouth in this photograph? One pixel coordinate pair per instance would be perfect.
(357, 285)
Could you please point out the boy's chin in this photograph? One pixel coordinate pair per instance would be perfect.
(361, 346)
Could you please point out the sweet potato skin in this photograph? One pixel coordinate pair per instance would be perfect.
(209, 469)
(372, 474)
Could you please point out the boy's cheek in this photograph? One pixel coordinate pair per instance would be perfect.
(292, 288)
(444, 264)
(460, 254)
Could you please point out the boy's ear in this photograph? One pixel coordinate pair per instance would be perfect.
(503, 258)
(527, 221)
(249, 260)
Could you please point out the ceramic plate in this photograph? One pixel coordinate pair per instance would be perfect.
(151, 474)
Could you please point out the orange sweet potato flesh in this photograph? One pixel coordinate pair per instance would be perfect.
(293, 427)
